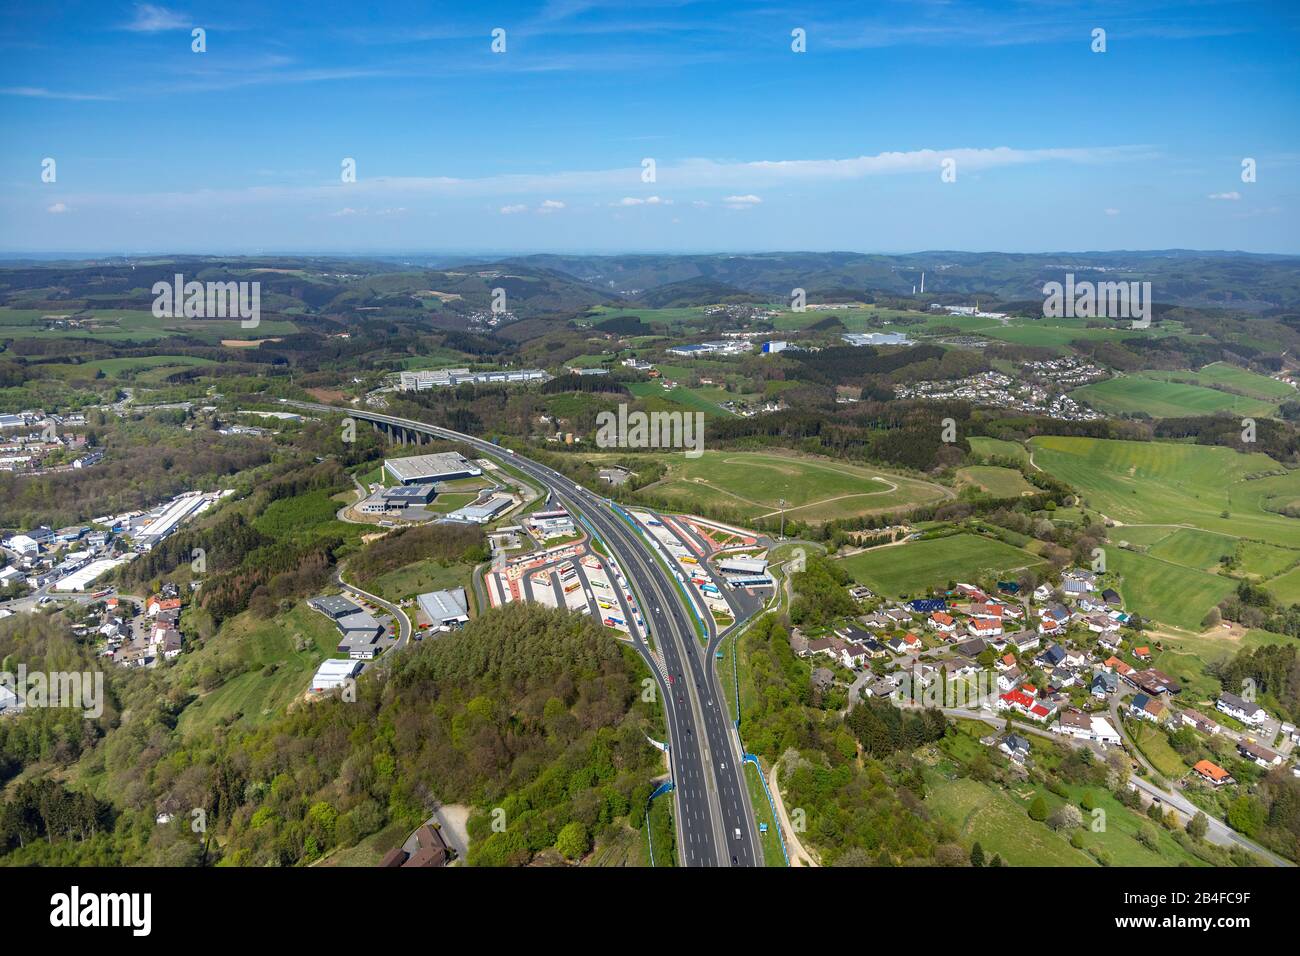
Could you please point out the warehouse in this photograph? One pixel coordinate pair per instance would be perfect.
(334, 606)
(333, 673)
(484, 511)
(446, 610)
(425, 469)
(748, 566)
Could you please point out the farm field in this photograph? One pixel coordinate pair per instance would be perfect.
(911, 568)
(1285, 587)
(124, 368)
(1164, 591)
(997, 448)
(1059, 333)
(675, 399)
(133, 325)
(999, 482)
(1000, 825)
(278, 673)
(1208, 487)
(813, 488)
(1230, 376)
(862, 318)
(1160, 398)
(1265, 560)
(1194, 549)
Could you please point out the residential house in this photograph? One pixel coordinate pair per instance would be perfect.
(1248, 712)
(1262, 756)
(1194, 718)
(1147, 708)
(1024, 641)
(1212, 773)
(1104, 684)
(942, 622)
(1010, 680)
(1016, 747)
(1078, 581)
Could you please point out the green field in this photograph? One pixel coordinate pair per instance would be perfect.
(814, 489)
(1059, 333)
(1209, 487)
(1239, 379)
(997, 448)
(1164, 591)
(124, 368)
(1155, 746)
(999, 482)
(278, 673)
(418, 578)
(675, 399)
(133, 325)
(1286, 587)
(1194, 549)
(1141, 392)
(913, 567)
(998, 820)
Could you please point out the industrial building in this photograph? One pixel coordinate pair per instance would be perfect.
(552, 524)
(388, 500)
(333, 673)
(876, 338)
(742, 565)
(426, 469)
(481, 512)
(450, 377)
(333, 606)
(446, 610)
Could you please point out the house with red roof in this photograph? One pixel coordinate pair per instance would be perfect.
(942, 622)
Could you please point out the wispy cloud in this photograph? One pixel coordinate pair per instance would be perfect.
(37, 92)
(1230, 196)
(740, 180)
(150, 18)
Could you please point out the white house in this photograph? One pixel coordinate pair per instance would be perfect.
(1246, 711)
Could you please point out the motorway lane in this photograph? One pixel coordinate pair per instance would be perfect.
(712, 802)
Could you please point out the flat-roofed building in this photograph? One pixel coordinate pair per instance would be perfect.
(446, 610)
(742, 566)
(482, 512)
(334, 606)
(427, 469)
(333, 673)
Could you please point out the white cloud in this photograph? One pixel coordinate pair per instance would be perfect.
(39, 92)
(550, 205)
(150, 18)
(58, 207)
(1232, 196)
(738, 179)
(345, 211)
(1112, 211)
(638, 201)
(747, 201)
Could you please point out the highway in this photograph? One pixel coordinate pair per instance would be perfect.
(714, 818)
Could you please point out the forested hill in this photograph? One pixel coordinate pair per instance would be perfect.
(532, 711)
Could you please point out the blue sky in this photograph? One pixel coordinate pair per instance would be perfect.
(756, 147)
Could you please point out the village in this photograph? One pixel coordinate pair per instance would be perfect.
(1060, 661)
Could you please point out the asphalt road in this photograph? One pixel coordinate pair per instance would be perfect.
(715, 822)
